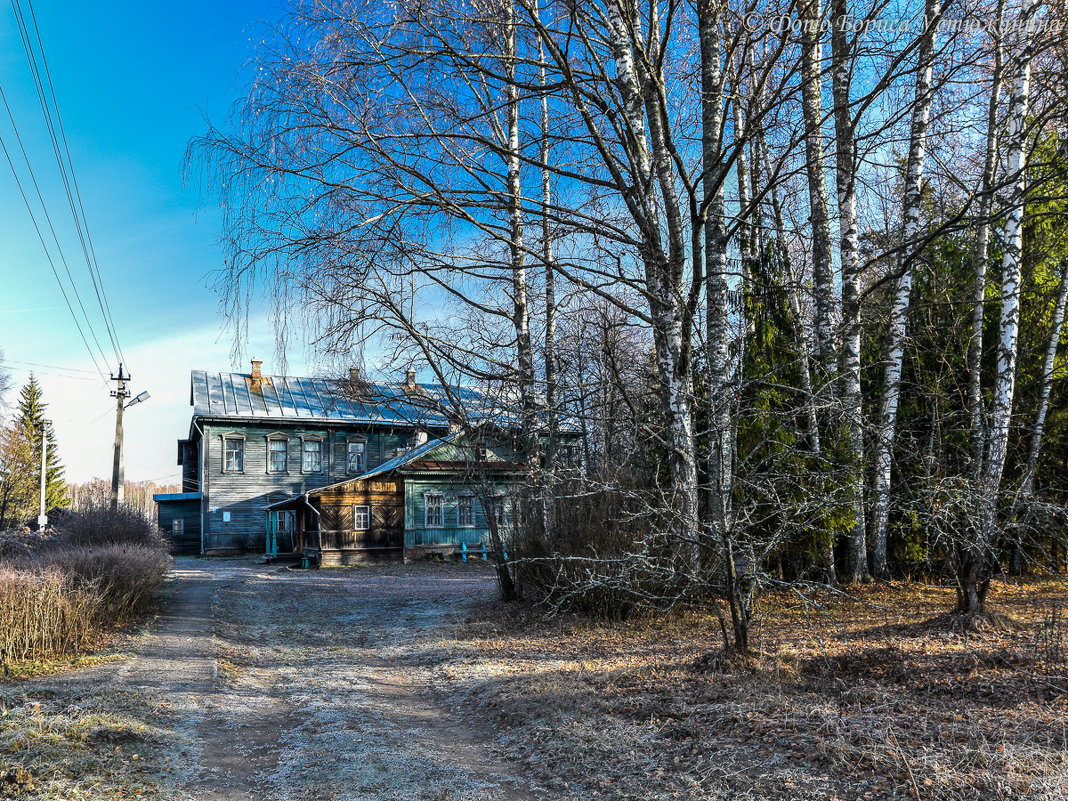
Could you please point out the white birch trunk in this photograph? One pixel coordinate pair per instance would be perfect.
(982, 243)
(812, 109)
(846, 185)
(975, 578)
(800, 324)
(899, 310)
(520, 307)
(653, 168)
(1027, 485)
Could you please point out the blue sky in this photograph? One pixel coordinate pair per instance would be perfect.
(133, 82)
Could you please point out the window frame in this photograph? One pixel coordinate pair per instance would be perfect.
(355, 517)
(362, 442)
(440, 498)
(280, 517)
(271, 439)
(226, 440)
(498, 507)
(304, 442)
(468, 498)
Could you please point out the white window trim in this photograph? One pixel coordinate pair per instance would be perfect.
(236, 437)
(355, 520)
(322, 453)
(356, 441)
(277, 438)
(470, 497)
(426, 510)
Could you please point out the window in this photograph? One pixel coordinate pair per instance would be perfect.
(499, 509)
(233, 455)
(361, 517)
(277, 455)
(569, 455)
(282, 522)
(313, 456)
(177, 527)
(480, 451)
(356, 454)
(435, 511)
(465, 511)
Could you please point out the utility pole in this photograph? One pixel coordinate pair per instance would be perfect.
(118, 480)
(42, 518)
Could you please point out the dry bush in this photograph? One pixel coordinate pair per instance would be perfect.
(59, 589)
(44, 612)
(100, 525)
(598, 557)
(124, 578)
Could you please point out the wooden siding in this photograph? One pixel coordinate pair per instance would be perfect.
(416, 532)
(244, 495)
(384, 496)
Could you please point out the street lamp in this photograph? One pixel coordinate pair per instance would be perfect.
(139, 399)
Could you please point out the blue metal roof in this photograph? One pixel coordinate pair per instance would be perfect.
(289, 398)
(176, 496)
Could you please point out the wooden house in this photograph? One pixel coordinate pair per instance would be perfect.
(336, 469)
(433, 498)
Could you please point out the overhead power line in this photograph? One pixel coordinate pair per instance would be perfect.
(52, 264)
(7, 361)
(39, 71)
(52, 229)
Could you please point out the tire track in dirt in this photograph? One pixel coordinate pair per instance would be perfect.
(286, 685)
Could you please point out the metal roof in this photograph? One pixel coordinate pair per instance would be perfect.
(234, 395)
(176, 496)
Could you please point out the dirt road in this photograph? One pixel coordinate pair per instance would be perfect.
(316, 684)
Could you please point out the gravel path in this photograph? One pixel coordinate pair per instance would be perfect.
(316, 684)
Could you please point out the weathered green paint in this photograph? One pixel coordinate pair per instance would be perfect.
(417, 533)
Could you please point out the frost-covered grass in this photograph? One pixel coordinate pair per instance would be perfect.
(875, 697)
(83, 743)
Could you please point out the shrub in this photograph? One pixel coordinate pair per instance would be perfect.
(99, 525)
(124, 578)
(58, 589)
(601, 558)
(43, 613)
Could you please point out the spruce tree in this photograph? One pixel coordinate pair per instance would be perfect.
(32, 422)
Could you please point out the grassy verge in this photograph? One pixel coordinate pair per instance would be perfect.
(870, 697)
(75, 742)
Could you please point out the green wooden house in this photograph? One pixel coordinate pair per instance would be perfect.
(340, 470)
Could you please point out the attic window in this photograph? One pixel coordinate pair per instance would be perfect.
(480, 451)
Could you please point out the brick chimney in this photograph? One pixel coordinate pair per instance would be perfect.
(354, 375)
(409, 380)
(257, 376)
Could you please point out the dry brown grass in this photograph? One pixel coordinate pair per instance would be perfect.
(57, 600)
(869, 694)
(42, 613)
